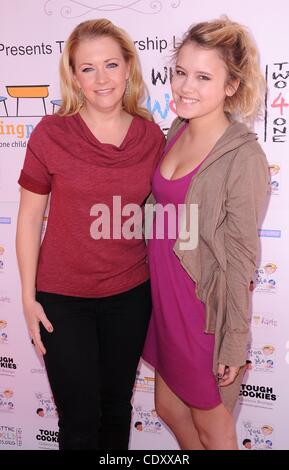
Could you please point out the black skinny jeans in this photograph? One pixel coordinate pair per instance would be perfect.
(91, 361)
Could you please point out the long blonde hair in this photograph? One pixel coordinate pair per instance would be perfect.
(239, 52)
(91, 29)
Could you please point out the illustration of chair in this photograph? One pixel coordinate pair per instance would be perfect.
(55, 103)
(28, 91)
(2, 100)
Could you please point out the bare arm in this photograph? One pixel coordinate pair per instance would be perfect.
(28, 237)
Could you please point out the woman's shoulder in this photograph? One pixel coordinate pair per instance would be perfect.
(51, 125)
(53, 120)
(46, 122)
(150, 126)
(242, 140)
(249, 158)
(251, 148)
(147, 123)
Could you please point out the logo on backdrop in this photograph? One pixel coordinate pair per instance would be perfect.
(46, 407)
(146, 420)
(5, 220)
(264, 321)
(7, 366)
(144, 383)
(275, 173)
(269, 233)
(3, 332)
(39, 366)
(4, 299)
(257, 436)
(266, 279)
(16, 104)
(39, 370)
(77, 9)
(261, 358)
(259, 396)
(47, 439)
(6, 400)
(10, 436)
(14, 135)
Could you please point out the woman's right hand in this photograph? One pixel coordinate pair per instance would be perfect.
(35, 314)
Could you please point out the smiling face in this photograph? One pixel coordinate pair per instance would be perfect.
(268, 350)
(101, 71)
(200, 83)
(266, 430)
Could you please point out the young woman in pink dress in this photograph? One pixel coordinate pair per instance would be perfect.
(198, 332)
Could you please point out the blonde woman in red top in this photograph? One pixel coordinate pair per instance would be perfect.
(85, 290)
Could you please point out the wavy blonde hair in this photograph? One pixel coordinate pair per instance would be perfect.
(239, 52)
(92, 29)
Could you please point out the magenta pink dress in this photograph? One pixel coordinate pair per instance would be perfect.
(176, 345)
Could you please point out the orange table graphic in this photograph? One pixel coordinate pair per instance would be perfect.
(28, 91)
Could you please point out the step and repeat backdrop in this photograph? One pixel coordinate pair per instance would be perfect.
(32, 36)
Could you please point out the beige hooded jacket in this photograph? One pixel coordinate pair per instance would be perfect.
(231, 189)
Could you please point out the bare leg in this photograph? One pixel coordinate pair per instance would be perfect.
(177, 415)
(216, 428)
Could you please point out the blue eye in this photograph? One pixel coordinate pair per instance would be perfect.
(87, 69)
(112, 65)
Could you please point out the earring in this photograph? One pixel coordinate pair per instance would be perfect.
(127, 88)
(80, 97)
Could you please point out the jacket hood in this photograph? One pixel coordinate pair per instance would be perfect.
(236, 135)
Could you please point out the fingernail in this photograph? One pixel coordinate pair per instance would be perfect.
(219, 376)
(50, 329)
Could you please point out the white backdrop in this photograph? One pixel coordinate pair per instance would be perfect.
(32, 36)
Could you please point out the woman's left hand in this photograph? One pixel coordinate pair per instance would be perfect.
(226, 374)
